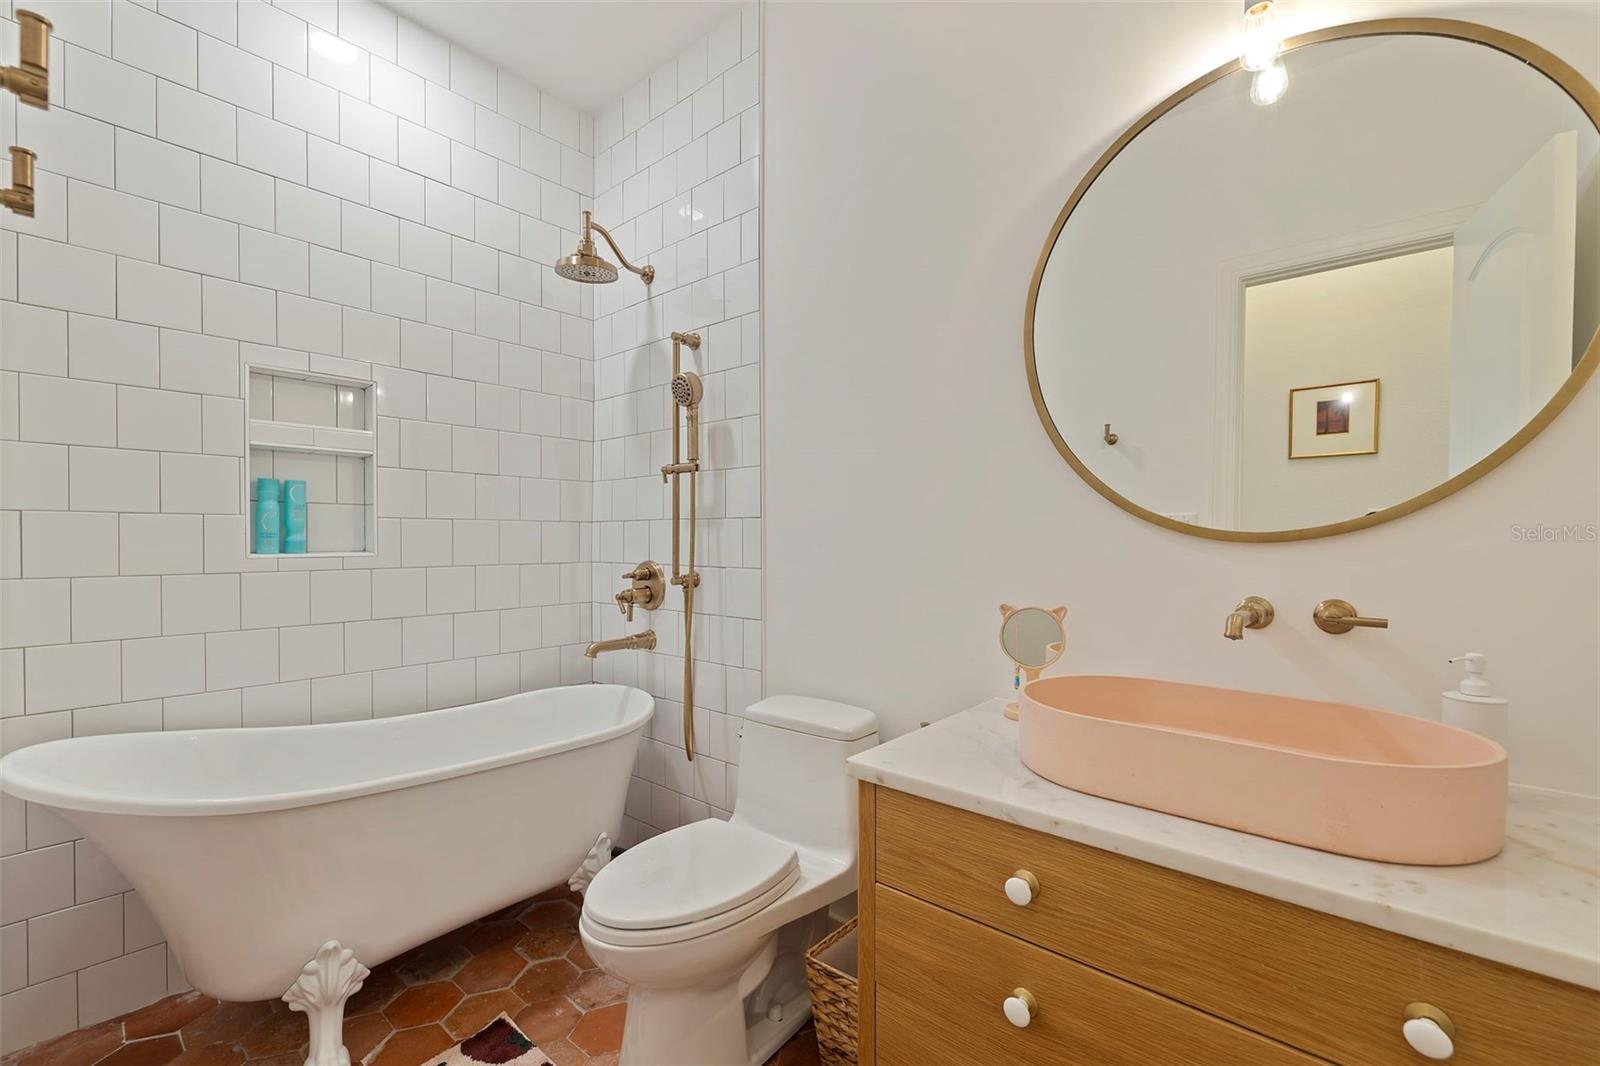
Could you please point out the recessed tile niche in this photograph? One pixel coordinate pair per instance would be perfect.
(320, 429)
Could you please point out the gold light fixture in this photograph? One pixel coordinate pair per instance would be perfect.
(30, 78)
(19, 197)
(1263, 42)
(585, 266)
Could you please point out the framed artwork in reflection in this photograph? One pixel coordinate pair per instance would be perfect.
(1327, 421)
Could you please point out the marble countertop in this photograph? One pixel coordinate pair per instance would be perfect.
(1536, 906)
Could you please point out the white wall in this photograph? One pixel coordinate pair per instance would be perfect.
(677, 171)
(910, 488)
(1388, 319)
(212, 191)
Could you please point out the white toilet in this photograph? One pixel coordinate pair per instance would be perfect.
(707, 923)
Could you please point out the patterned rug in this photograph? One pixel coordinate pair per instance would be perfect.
(500, 1043)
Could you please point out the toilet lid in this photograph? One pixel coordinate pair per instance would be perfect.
(686, 875)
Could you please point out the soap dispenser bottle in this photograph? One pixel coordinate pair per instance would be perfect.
(1473, 707)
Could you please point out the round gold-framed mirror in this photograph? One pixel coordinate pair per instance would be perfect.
(1269, 430)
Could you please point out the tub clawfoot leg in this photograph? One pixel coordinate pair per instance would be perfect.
(592, 863)
(331, 977)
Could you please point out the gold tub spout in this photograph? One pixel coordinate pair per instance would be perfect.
(645, 641)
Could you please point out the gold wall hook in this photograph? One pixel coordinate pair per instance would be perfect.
(30, 78)
(19, 197)
(1108, 436)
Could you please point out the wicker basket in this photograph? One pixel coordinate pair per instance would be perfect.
(834, 1000)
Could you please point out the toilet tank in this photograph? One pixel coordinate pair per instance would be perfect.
(792, 779)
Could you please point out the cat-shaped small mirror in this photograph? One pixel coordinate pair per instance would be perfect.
(1032, 638)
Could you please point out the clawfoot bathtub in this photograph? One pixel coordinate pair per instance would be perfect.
(294, 857)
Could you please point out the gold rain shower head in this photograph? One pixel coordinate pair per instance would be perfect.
(585, 266)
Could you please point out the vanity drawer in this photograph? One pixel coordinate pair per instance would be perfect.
(1333, 987)
(942, 979)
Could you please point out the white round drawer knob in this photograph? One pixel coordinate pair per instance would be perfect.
(1020, 1007)
(1429, 1031)
(1021, 887)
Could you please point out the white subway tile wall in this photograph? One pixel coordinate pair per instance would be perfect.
(677, 178)
(214, 191)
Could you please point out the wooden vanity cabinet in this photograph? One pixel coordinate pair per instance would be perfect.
(1131, 964)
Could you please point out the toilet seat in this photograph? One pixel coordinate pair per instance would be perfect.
(688, 882)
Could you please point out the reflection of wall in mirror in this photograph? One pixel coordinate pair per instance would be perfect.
(1386, 319)
(1129, 304)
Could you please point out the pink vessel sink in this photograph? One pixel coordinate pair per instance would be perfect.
(1331, 776)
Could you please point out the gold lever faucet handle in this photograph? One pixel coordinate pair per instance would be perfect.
(625, 603)
(1340, 616)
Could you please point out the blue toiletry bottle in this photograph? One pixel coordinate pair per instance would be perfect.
(294, 517)
(266, 535)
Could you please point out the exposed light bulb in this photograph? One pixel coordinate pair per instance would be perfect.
(1268, 86)
(330, 47)
(1262, 40)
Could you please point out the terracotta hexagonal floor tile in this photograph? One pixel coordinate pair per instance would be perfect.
(84, 1045)
(437, 960)
(410, 1047)
(157, 1051)
(363, 1035)
(553, 915)
(166, 1015)
(600, 1031)
(580, 957)
(564, 1053)
(545, 979)
(421, 1004)
(227, 1022)
(547, 1019)
(597, 989)
(279, 1033)
(495, 968)
(380, 987)
(475, 1012)
(546, 944)
(494, 935)
(215, 1055)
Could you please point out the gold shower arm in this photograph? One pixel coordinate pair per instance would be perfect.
(647, 272)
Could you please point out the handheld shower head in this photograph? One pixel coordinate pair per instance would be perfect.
(687, 389)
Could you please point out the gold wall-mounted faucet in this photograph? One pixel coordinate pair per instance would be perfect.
(1340, 616)
(1253, 612)
(19, 197)
(30, 78)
